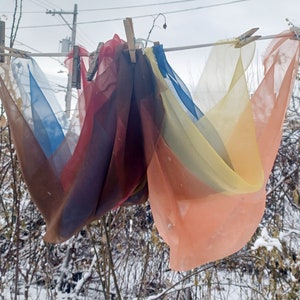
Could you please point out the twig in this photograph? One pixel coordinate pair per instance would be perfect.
(86, 276)
(111, 262)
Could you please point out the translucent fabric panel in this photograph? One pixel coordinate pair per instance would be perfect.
(197, 154)
(107, 167)
(199, 222)
(218, 73)
(182, 91)
(43, 115)
(24, 72)
(136, 132)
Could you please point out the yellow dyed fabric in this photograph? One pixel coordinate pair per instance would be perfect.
(203, 167)
(208, 197)
(231, 118)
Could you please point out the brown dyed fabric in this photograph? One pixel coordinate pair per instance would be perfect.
(137, 134)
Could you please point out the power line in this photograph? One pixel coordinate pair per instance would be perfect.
(112, 8)
(139, 16)
(38, 3)
(138, 6)
(43, 3)
(37, 51)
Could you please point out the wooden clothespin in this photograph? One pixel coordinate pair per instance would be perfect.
(14, 52)
(11, 51)
(247, 38)
(296, 31)
(93, 64)
(76, 79)
(130, 38)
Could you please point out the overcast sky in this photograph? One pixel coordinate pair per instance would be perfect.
(188, 22)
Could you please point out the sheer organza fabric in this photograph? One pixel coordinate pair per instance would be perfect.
(137, 133)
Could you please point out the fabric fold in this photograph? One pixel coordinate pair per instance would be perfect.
(138, 134)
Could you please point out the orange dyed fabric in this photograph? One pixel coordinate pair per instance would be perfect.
(198, 220)
(138, 134)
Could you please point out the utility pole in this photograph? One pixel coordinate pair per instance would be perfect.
(68, 97)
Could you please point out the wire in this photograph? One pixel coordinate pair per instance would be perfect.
(153, 24)
(223, 42)
(37, 51)
(137, 6)
(38, 4)
(136, 17)
(112, 8)
(82, 36)
(44, 4)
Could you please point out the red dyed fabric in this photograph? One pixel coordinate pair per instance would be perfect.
(133, 138)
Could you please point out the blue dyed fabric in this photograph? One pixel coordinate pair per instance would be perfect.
(182, 91)
(47, 129)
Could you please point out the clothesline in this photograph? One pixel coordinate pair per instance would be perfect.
(245, 40)
(232, 41)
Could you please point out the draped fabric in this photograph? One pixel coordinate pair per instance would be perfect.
(137, 133)
(199, 222)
